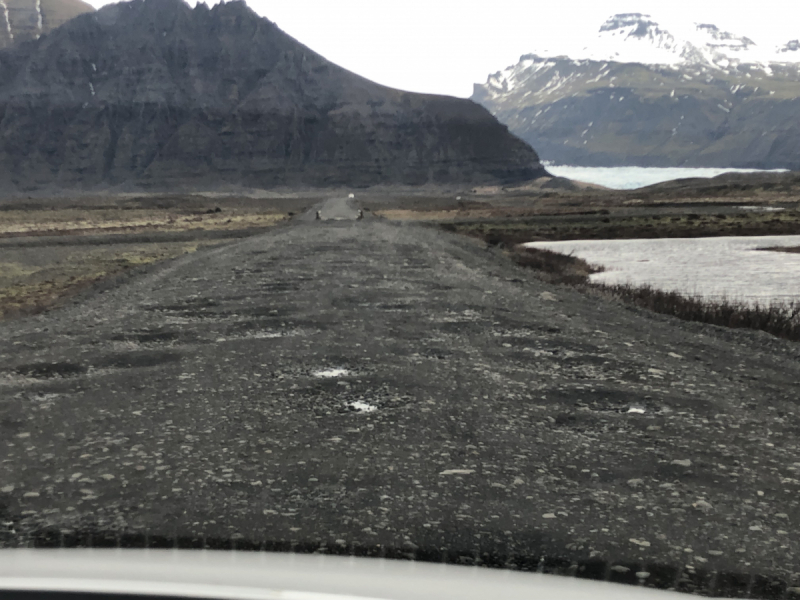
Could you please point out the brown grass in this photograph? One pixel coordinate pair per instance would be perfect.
(555, 267)
(779, 319)
(26, 290)
(32, 281)
(602, 224)
(17, 223)
(504, 238)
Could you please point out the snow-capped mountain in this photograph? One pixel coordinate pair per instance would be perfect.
(643, 93)
(638, 38)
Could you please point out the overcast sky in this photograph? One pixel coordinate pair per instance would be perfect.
(444, 46)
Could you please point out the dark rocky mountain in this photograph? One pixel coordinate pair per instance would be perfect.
(23, 20)
(160, 94)
(641, 95)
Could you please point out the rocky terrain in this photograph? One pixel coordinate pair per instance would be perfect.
(25, 20)
(639, 95)
(156, 94)
(362, 386)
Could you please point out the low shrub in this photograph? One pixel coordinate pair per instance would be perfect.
(781, 319)
(555, 267)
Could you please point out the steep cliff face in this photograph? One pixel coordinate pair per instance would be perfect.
(155, 92)
(640, 95)
(24, 20)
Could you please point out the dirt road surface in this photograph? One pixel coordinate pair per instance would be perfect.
(363, 384)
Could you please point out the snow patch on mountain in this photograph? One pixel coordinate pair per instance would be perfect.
(636, 37)
(8, 22)
(633, 37)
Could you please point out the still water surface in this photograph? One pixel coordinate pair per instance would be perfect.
(714, 268)
(629, 178)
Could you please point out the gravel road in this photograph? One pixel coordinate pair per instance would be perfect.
(363, 383)
(332, 209)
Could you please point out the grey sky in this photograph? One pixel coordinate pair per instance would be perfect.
(444, 46)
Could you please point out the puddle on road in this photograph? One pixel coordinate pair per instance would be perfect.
(146, 337)
(51, 370)
(136, 360)
(330, 373)
(363, 407)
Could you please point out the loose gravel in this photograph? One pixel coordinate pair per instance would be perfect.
(366, 384)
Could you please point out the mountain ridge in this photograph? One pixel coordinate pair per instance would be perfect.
(682, 104)
(162, 94)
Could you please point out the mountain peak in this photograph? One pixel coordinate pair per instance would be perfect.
(716, 38)
(632, 37)
(648, 92)
(640, 38)
(630, 24)
(161, 94)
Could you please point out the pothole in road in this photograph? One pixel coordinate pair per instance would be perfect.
(362, 407)
(436, 353)
(279, 287)
(413, 263)
(134, 360)
(146, 337)
(44, 370)
(393, 306)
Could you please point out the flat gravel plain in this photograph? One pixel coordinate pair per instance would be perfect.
(377, 388)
